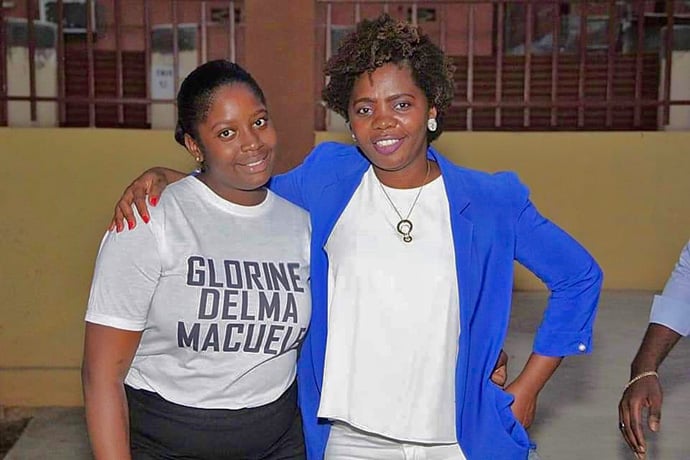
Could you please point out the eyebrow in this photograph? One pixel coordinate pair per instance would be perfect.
(262, 110)
(389, 98)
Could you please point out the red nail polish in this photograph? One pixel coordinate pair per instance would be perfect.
(154, 201)
(146, 218)
(130, 224)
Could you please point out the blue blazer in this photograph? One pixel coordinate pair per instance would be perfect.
(493, 223)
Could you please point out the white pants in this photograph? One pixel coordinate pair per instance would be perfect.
(348, 443)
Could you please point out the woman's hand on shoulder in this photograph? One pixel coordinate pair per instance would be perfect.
(151, 183)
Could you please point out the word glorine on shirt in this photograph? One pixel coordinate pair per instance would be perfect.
(244, 306)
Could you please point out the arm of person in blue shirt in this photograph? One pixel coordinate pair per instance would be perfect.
(669, 321)
(151, 183)
(575, 280)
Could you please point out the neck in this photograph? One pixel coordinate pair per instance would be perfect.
(234, 195)
(407, 178)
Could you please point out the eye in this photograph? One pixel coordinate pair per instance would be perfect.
(226, 133)
(363, 110)
(402, 106)
(261, 122)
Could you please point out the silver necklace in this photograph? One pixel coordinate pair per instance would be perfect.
(405, 226)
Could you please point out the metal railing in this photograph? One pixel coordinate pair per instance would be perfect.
(521, 64)
(544, 64)
(114, 61)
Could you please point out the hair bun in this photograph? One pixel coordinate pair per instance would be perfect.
(179, 134)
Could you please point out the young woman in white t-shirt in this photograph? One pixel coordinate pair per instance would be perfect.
(194, 321)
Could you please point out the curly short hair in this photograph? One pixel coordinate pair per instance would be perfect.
(385, 40)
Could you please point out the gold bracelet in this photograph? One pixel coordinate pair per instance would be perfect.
(638, 377)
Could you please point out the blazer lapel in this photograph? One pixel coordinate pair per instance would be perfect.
(335, 196)
(462, 227)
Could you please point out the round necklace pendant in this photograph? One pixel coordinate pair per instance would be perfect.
(405, 228)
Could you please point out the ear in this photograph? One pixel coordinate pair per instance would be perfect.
(193, 148)
(432, 112)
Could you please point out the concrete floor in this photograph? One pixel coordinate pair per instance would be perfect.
(577, 415)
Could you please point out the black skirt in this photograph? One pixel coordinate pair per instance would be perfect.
(160, 429)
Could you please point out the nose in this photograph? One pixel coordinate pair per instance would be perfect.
(383, 120)
(251, 141)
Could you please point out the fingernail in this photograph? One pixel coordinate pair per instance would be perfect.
(654, 426)
(146, 218)
(153, 200)
(130, 224)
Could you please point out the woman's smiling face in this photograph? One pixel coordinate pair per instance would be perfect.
(237, 143)
(388, 115)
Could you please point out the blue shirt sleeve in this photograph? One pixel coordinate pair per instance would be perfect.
(572, 276)
(289, 186)
(672, 307)
(297, 185)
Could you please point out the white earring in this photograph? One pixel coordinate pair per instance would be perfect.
(432, 124)
(354, 139)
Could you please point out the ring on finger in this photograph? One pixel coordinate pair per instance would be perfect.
(621, 425)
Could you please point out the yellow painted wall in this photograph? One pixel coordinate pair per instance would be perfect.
(57, 191)
(626, 196)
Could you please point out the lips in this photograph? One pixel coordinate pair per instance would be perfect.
(387, 146)
(257, 164)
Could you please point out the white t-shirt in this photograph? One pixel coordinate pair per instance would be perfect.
(393, 316)
(220, 291)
